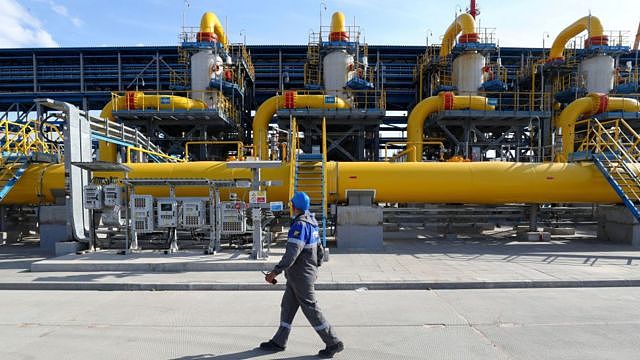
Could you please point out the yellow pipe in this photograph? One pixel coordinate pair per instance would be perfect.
(589, 105)
(268, 108)
(338, 28)
(211, 24)
(466, 24)
(337, 22)
(443, 101)
(137, 100)
(589, 23)
(428, 182)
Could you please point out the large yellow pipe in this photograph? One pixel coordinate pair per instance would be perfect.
(211, 24)
(137, 100)
(443, 101)
(478, 183)
(290, 100)
(590, 23)
(466, 24)
(583, 107)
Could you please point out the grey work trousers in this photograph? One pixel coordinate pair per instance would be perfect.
(301, 294)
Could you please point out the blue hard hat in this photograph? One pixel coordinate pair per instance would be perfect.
(301, 201)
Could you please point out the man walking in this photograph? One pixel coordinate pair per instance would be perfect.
(300, 266)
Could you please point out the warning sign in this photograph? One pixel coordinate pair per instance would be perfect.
(257, 197)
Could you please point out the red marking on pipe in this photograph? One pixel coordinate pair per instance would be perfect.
(469, 38)
(353, 177)
(289, 99)
(338, 36)
(206, 37)
(550, 177)
(130, 100)
(447, 101)
(602, 103)
(596, 40)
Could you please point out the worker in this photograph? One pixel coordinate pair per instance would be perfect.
(300, 265)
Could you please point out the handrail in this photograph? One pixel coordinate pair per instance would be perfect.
(324, 178)
(239, 144)
(153, 153)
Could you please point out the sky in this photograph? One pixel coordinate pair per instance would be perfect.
(73, 23)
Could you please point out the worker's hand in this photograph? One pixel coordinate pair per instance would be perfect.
(270, 277)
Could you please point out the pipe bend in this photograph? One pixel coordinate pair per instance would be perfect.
(465, 24)
(590, 23)
(291, 100)
(210, 24)
(430, 105)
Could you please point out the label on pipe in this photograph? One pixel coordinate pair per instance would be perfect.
(329, 99)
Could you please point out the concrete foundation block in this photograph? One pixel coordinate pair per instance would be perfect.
(536, 236)
(50, 234)
(616, 224)
(69, 247)
(560, 230)
(359, 215)
(521, 229)
(359, 237)
(618, 214)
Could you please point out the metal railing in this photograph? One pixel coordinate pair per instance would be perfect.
(154, 154)
(119, 131)
(25, 138)
(359, 99)
(612, 136)
(214, 100)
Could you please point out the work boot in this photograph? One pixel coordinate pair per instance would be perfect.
(271, 346)
(329, 351)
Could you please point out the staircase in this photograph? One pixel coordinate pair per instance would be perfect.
(309, 176)
(13, 166)
(613, 147)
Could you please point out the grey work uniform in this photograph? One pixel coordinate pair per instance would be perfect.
(300, 266)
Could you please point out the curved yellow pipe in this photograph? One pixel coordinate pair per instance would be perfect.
(428, 182)
(466, 24)
(268, 108)
(211, 24)
(589, 105)
(590, 23)
(443, 101)
(137, 100)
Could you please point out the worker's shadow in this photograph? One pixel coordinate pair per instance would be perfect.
(248, 354)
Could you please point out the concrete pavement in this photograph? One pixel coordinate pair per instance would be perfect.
(410, 260)
(448, 324)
